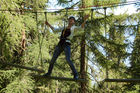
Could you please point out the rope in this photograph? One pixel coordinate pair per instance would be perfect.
(66, 15)
(44, 33)
(41, 40)
(106, 43)
(92, 16)
(40, 47)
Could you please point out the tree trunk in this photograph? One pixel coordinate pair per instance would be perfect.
(83, 65)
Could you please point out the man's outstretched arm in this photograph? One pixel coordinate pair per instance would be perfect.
(46, 22)
(85, 18)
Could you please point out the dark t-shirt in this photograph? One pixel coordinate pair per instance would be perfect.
(64, 35)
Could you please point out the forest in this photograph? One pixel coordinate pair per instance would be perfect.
(105, 55)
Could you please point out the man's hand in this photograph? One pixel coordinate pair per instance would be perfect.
(46, 22)
(85, 18)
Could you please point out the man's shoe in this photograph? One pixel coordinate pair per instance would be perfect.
(76, 77)
(47, 74)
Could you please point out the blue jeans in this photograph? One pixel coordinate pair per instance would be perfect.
(58, 50)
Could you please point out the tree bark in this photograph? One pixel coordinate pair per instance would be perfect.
(83, 65)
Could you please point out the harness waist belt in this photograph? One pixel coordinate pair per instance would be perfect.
(68, 41)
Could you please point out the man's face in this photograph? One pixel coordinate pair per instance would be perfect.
(71, 21)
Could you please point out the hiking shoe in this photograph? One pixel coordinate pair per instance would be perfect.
(76, 76)
(47, 74)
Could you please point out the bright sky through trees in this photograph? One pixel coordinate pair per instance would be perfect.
(119, 10)
(127, 8)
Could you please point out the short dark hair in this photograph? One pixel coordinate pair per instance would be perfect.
(71, 17)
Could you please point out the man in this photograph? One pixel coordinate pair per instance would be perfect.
(64, 43)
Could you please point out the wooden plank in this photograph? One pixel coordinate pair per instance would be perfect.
(22, 67)
(58, 78)
(123, 80)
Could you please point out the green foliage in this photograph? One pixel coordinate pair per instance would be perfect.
(105, 2)
(106, 40)
(20, 84)
(6, 77)
(135, 66)
(9, 34)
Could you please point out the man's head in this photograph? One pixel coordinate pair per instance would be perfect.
(71, 20)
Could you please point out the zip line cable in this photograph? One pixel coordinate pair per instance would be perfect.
(76, 9)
